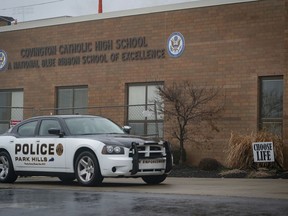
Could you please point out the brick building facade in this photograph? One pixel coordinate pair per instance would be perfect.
(104, 58)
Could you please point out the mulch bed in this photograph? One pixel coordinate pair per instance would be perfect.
(195, 172)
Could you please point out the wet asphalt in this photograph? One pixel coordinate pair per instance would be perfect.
(177, 196)
(35, 202)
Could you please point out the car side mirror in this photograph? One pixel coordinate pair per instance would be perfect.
(126, 129)
(56, 131)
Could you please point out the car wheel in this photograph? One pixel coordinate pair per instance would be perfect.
(154, 179)
(87, 169)
(7, 174)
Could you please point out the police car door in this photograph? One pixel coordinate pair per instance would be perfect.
(37, 150)
(23, 146)
(51, 146)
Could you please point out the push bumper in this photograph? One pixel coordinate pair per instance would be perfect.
(132, 164)
(135, 158)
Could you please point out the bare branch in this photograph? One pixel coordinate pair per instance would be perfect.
(188, 105)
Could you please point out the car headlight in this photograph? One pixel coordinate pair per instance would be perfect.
(109, 149)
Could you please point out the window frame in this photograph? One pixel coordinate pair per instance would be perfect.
(146, 121)
(260, 118)
(72, 109)
(12, 107)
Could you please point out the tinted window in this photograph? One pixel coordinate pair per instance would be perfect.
(27, 129)
(48, 124)
(87, 125)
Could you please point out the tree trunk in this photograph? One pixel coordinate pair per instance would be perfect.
(181, 158)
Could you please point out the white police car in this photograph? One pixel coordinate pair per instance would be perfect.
(83, 147)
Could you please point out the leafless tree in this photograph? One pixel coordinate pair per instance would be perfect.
(187, 104)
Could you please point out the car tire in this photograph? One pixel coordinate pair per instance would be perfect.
(87, 169)
(153, 180)
(7, 173)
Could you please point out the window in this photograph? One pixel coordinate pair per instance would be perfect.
(72, 100)
(143, 115)
(92, 125)
(271, 104)
(28, 129)
(11, 108)
(46, 125)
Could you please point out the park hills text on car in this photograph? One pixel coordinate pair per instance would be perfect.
(83, 147)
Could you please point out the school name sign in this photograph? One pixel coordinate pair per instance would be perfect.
(263, 152)
(85, 53)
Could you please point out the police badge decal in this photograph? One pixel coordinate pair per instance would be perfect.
(175, 44)
(3, 60)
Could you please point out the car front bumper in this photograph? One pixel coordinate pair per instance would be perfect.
(131, 164)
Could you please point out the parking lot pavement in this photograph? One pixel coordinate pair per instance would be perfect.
(259, 188)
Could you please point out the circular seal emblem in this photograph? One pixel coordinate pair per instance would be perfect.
(59, 149)
(3, 60)
(176, 44)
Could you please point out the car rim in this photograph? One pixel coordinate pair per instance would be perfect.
(86, 169)
(4, 167)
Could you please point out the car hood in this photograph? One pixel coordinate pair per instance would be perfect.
(124, 140)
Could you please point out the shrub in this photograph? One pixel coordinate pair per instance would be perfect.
(176, 156)
(209, 164)
(240, 153)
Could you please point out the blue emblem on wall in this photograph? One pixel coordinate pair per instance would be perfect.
(176, 44)
(3, 60)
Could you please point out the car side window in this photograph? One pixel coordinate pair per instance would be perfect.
(27, 129)
(48, 124)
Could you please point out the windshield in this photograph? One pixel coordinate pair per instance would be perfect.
(92, 125)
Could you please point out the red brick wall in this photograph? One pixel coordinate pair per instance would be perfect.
(229, 46)
(285, 73)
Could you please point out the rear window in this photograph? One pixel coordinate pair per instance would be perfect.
(27, 129)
